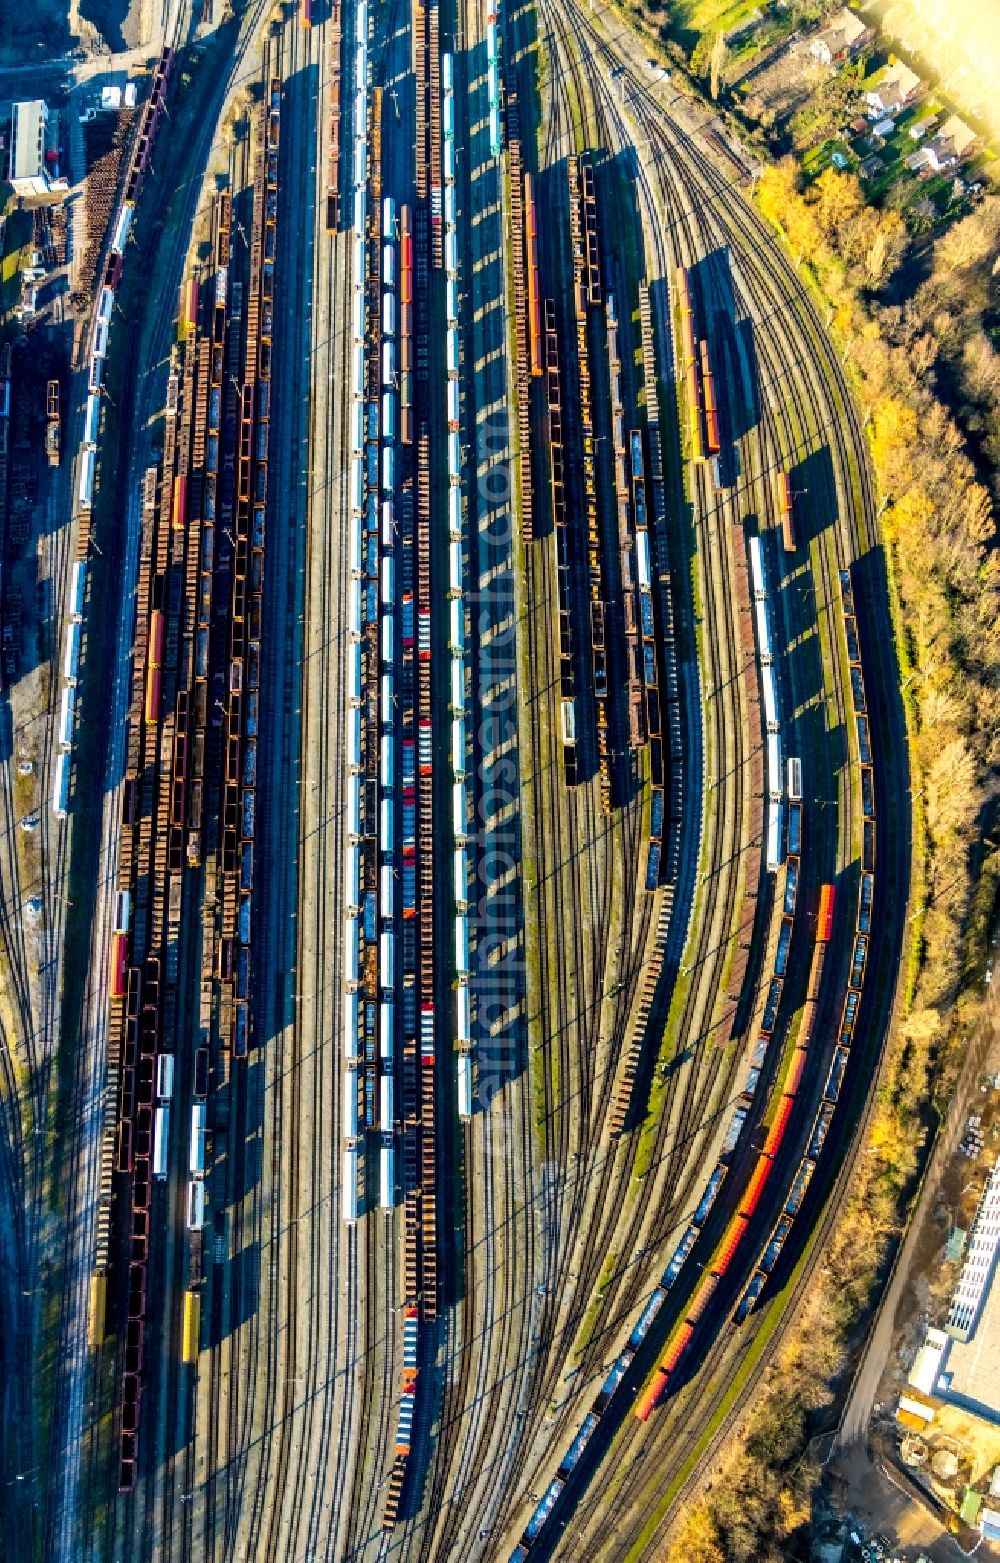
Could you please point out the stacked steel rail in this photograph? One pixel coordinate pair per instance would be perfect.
(434, 118)
(628, 520)
(521, 371)
(856, 976)
(333, 120)
(584, 288)
(666, 796)
(560, 540)
(664, 850)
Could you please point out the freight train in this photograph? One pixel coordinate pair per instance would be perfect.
(687, 365)
(682, 1334)
(855, 983)
(763, 1168)
(775, 784)
(165, 757)
(99, 341)
(456, 595)
(560, 541)
(360, 973)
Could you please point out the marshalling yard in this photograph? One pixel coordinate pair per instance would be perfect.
(472, 806)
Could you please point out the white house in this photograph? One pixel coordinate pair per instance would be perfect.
(896, 87)
(842, 38)
(952, 142)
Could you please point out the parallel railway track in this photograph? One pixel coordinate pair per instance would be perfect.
(865, 521)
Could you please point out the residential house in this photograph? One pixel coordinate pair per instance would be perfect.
(845, 35)
(953, 141)
(921, 127)
(896, 87)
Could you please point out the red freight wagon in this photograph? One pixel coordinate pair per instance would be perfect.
(776, 1133)
(760, 1175)
(711, 410)
(656, 1390)
(730, 1243)
(824, 927)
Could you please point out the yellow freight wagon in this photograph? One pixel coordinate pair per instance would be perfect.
(98, 1309)
(192, 1326)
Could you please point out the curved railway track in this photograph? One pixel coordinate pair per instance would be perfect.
(693, 1105)
(850, 455)
(296, 1417)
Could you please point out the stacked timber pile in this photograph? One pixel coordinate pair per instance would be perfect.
(104, 169)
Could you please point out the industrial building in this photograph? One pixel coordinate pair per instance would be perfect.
(26, 164)
(974, 1282)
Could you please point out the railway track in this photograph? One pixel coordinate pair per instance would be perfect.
(695, 1102)
(303, 1421)
(497, 1259)
(866, 513)
(296, 1414)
